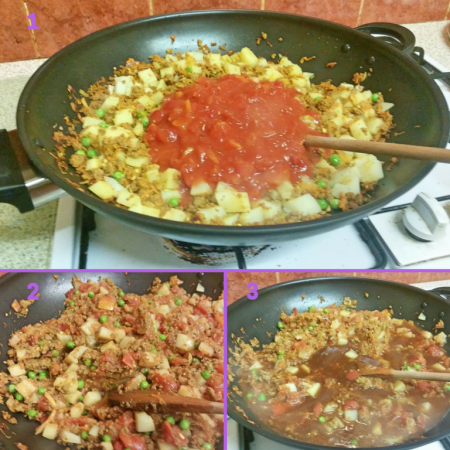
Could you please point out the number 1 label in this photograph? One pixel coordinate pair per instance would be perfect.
(253, 291)
(33, 25)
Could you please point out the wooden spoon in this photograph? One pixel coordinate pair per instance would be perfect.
(158, 401)
(405, 374)
(380, 148)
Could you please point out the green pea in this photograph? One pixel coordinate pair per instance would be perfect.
(162, 337)
(196, 360)
(77, 292)
(121, 302)
(92, 153)
(19, 397)
(103, 319)
(417, 366)
(85, 413)
(174, 202)
(100, 113)
(178, 302)
(171, 420)
(67, 404)
(262, 397)
(41, 390)
(118, 324)
(375, 97)
(42, 375)
(171, 358)
(80, 398)
(32, 413)
(118, 175)
(70, 344)
(447, 388)
(249, 395)
(144, 384)
(206, 375)
(93, 368)
(31, 374)
(325, 311)
(334, 203)
(280, 357)
(84, 435)
(280, 325)
(310, 328)
(253, 371)
(80, 384)
(322, 203)
(87, 362)
(311, 308)
(145, 371)
(322, 419)
(354, 442)
(80, 152)
(197, 345)
(121, 294)
(41, 343)
(185, 424)
(207, 446)
(149, 302)
(106, 438)
(103, 124)
(335, 160)
(322, 184)
(85, 141)
(91, 294)
(145, 121)
(72, 304)
(189, 69)
(12, 388)
(407, 368)
(317, 99)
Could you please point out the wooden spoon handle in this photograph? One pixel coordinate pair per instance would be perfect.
(380, 148)
(158, 401)
(407, 374)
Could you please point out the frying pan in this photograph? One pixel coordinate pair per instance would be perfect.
(14, 286)
(418, 101)
(405, 301)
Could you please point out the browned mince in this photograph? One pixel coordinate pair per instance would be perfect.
(131, 342)
(348, 409)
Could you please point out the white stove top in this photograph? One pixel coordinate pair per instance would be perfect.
(117, 246)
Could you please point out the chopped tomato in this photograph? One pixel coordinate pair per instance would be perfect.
(215, 380)
(128, 360)
(219, 368)
(352, 375)
(129, 319)
(295, 311)
(434, 350)
(351, 404)
(159, 317)
(278, 409)
(62, 326)
(118, 445)
(43, 404)
(178, 362)
(163, 328)
(421, 420)
(219, 319)
(127, 420)
(43, 418)
(423, 385)
(200, 311)
(70, 293)
(166, 381)
(299, 344)
(318, 409)
(84, 287)
(133, 442)
(173, 435)
(181, 325)
(107, 357)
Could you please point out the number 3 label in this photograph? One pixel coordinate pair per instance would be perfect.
(33, 295)
(253, 291)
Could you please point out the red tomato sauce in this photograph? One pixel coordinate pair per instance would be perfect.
(235, 130)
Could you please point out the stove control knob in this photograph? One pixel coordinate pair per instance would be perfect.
(426, 219)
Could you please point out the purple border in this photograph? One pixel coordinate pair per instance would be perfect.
(224, 271)
(225, 348)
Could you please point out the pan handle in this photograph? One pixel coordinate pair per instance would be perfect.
(391, 33)
(443, 291)
(20, 184)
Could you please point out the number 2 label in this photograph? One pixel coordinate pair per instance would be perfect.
(253, 291)
(33, 295)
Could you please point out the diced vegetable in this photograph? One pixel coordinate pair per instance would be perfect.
(185, 343)
(123, 85)
(206, 349)
(103, 190)
(351, 415)
(50, 431)
(305, 205)
(351, 354)
(314, 389)
(144, 422)
(70, 438)
(77, 410)
(91, 398)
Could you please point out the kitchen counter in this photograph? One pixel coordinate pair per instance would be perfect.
(26, 239)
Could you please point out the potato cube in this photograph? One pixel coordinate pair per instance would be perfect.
(146, 102)
(209, 214)
(185, 342)
(305, 205)
(144, 422)
(232, 69)
(91, 398)
(359, 130)
(123, 85)
(285, 190)
(50, 431)
(233, 201)
(89, 121)
(110, 102)
(175, 215)
(77, 410)
(26, 388)
(167, 72)
(90, 327)
(153, 173)
(248, 57)
(111, 346)
(271, 74)
(149, 359)
(105, 334)
(254, 216)
(103, 190)
(370, 168)
(125, 198)
(202, 188)
(126, 341)
(170, 179)
(147, 77)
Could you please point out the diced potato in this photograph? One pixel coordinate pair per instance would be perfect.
(167, 72)
(67, 382)
(138, 129)
(422, 317)
(269, 209)
(377, 429)
(316, 96)
(206, 349)
(90, 327)
(254, 216)
(170, 194)
(114, 132)
(50, 431)
(271, 74)
(189, 391)
(370, 168)
(73, 368)
(89, 121)
(248, 57)
(346, 180)
(185, 342)
(73, 397)
(342, 341)
(427, 335)
(285, 190)
(399, 385)
(232, 69)
(300, 82)
(162, 445)
(125, 198)
(232, 201)
(359, 130)
(26, 388)
(293, 370)
(290, 386)
(231, 219)
(215, 59)
(255, 365)
(93, 163)
(149, 359)
(75, 354)
(115, 185)
(181, 64)
(110, 102)
(351, 354)
(153, 173)
(345, 313)
(170, 179)
(137, 162)
(425, 407)
(144, 422)
(119, 334)
(94, 431)
(146, 102)
(63, 338)
(91, 398)
(439, 367)
(330, 407)
(202, 188)
(314, 389)
(294, 70)
(351, 415)
(305, 205)
(148, 77)
(109, 346)
(103, 190)
(123, 85)
(70, 438)
(126, 341)
(212, 213)
(440, 338)
(145, 210)
(77, 410)
(175, 215)
(123, 116)
(105, 334)
(158, 97)
(305, 368)
(106, 446)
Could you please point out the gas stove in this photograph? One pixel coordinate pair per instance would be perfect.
(84, 239)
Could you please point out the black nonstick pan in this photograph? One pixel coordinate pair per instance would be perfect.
(14, 286)
(404, 299)
(420, 109)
